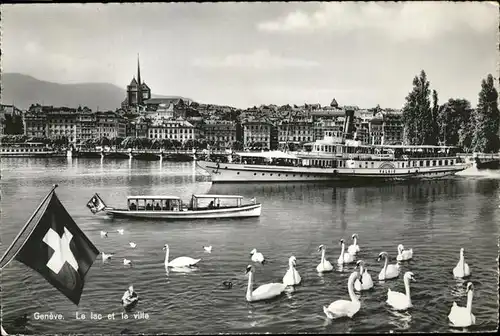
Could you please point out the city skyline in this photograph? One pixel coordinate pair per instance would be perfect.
(265, 53)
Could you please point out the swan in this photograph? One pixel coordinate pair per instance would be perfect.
(106, 256)
(257, 256)
(399, 300)
(366, 279)
(324, 265)
(462, 269)
(348, 308)
(132, 244)
(127, 262)
(104, 234)
(388, 271)
(179, 261)
(345, 258)
(120, 231)
(291, 277)
(130, 297)
(354, 248)
(404, 254)
(262, 292)
(462, 316)
(3, 332)
(208, 248)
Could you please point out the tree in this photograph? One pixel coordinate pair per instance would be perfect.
(487, 119)
(237, 145)
(417, 113)
(435, 114)
(467, 128)
(453, 118)
(13, 124)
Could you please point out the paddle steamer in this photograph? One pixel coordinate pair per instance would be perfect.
(332, 160)
(26, 149)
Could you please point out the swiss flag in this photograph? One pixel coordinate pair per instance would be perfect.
(53, 245)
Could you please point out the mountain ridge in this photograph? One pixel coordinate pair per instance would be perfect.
(23, 90)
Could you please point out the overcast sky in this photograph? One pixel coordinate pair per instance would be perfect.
(260, 53)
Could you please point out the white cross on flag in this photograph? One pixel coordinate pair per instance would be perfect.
(53, 245)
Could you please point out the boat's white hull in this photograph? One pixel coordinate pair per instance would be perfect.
(252, 210)
(234, 172)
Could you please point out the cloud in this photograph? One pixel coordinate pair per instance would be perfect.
(259, 59)
(415, 20)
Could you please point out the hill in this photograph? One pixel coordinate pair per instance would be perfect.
(23, 90)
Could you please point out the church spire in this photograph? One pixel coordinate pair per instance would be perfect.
(138, 71)
(139, 83)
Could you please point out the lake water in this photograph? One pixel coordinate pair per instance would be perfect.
(435, 218)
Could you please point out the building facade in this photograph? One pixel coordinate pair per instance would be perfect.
(221, 133)
(257, 132)
(179, 130)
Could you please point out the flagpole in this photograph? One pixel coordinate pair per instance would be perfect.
(25, 225)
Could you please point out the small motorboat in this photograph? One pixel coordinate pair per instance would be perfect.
(172, 207)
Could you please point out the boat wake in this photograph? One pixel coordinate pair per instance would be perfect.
(484, 173)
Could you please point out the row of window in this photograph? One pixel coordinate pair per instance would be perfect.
(162, 130)
(162, 136)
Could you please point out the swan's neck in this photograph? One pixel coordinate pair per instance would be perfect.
(461, 262)
(361, 269)
(469, 301)
(355, 241)
(385, 264)
(167, 255)
(323, 257)
(250, 285)
(350, 288)
(342, 251)
(407, 288)
(292, 269)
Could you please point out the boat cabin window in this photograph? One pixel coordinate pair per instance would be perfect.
(154, 204)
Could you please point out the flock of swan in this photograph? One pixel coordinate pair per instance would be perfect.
(359, 280)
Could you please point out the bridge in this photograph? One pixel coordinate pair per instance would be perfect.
(91, 152)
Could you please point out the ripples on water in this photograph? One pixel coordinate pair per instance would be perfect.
(435, 218)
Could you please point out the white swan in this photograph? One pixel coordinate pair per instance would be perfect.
(130, 297)
(132, 244)
(104, 234)
(257, 256)
(127, 262)
(388, 271)
(106, 256)
(354, 248)
(344, 258)
(120, 231)
(292, 277)
(262, 292)
(462, 269)
(324, 265)
(399, 300)
(404, 254)
(208, 248)
(179, 261)
(462, 316)
(366, 279)
(348, 308)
